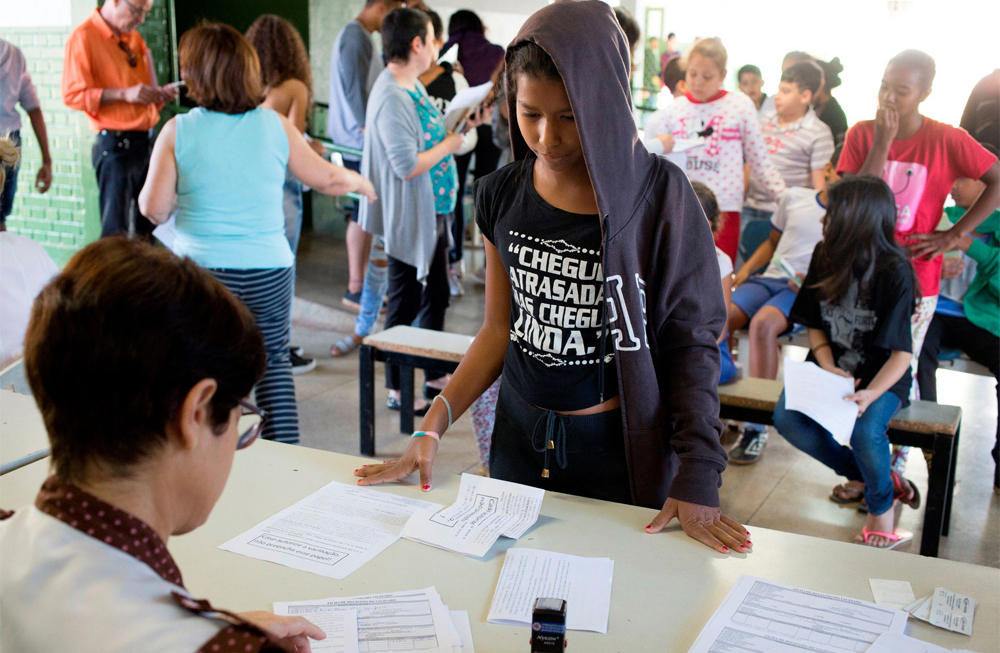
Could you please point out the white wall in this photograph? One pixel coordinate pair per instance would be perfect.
(35, 13)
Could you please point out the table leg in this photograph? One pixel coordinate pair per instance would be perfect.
(366, 394)
(951, 484)
(406, 399)
(937, 492)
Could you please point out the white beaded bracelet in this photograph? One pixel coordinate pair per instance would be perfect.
(447, 405)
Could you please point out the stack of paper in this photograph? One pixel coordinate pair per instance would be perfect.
(331, 532)
(399, 621)
(759, 615)
(893, 593)
(486, 509)
(528, 574)
(898, 643)
(945, 609)
(819, 394)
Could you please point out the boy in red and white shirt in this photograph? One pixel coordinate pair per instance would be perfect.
(729, 124)
(920, 159)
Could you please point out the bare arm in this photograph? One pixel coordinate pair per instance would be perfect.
(758, 259)
(886, 128)
(321, 175)
(44, 178)
(727, 293)
(892, 370)
(478, 370)
(159, 193)
(819, 179)
(930, 245)
(432, 156)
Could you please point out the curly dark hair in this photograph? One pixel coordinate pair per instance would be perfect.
(282, 53)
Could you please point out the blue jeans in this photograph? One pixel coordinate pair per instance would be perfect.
(373, 291)
(292, 206)
(10, 183)
(868, 459)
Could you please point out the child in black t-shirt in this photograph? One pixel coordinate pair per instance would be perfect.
(857, 300)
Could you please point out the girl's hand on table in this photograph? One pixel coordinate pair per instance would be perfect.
(291, 633)
(419, 454)
(707, 525)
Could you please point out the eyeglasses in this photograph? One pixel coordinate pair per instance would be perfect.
(136, 11)
(133, 60)
(254, 429)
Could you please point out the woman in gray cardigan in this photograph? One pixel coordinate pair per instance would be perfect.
(408, 156)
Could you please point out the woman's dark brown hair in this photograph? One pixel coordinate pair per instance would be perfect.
(117, 341)
(220, 68)
(859, 238)
(281, 52)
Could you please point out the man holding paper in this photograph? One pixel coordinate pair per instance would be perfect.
(857, 300)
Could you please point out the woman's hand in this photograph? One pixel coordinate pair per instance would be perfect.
(364, 187)
(863, 398)
(291, 633)
(477, 117)
(886, 125)
(419, 454)
(796, 284)
(452, 143)
(668, 142)
(707, 525)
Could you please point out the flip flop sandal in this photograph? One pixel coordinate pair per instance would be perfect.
(837, 498)
(901, 487)
(343, 347)
(895, 538)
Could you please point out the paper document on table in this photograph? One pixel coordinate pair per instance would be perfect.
(464, 101)
(819, 394)
(760, 615)
(340, 626)
(486, 508)
(461, 620)
(527, 574)
(892, 593)
(952, 611)
(331, 532)
(416, 620)
(899, 643)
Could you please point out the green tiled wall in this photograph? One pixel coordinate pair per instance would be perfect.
(67, 217)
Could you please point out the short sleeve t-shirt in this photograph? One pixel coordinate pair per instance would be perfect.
(725, 263)
(920, 170)
(865, 325)
(799, 218)
(553, 260)
(796, 150)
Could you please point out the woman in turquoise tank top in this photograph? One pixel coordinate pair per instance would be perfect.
(222, 168)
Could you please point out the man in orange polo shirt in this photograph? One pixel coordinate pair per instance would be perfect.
(108, 74)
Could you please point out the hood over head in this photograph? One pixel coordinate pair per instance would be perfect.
(589, 49)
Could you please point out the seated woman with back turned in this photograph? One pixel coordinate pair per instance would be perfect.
(140, 362)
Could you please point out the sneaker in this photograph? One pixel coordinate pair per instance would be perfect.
(298, 351)
(352, 300)
(749, 448)
(455, 283)
(302, 365)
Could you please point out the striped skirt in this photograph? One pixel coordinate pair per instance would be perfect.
(268, 295)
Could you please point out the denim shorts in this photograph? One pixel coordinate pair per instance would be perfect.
(758, 292)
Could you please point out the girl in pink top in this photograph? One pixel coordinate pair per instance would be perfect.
(729, 124)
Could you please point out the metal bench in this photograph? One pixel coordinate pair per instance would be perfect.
(409, 348)
(934, 428)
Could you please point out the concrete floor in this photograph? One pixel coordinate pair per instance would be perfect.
(785, 490)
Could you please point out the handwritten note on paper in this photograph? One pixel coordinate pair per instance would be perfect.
(819, 394)
(331, 532)
(527, 574)
(486, 508)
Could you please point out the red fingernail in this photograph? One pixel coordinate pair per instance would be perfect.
(749, 543)
(356, 471)
(425, 487)
(726, 549)
(649, 528)
(742, 548)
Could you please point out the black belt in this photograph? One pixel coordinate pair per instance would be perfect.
(136, 135)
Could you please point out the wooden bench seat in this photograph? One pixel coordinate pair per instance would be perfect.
(409, 348)
(934, 428)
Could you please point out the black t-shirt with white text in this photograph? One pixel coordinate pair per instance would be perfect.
(553, 260)
(862, 330)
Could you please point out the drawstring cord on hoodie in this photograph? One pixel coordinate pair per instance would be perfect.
(554, 439)
(604, 308)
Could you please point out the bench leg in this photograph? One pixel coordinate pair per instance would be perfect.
(951, 485)
(406, 399)
(937, 492)
(366, 394)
